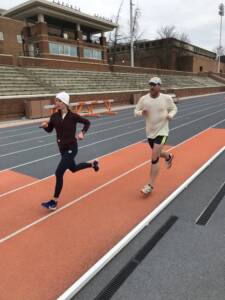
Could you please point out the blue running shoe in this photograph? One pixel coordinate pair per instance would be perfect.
(51, 205)
(95, 165)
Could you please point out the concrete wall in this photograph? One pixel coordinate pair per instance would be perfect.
(206, 64)
(91, 66)
(17, 108)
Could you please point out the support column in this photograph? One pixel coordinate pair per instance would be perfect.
(78, 33)
(78, 38)
(104, 48)
(41, 18)
(41, 39)
(103, 39)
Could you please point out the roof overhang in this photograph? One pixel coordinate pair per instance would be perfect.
(32, 8)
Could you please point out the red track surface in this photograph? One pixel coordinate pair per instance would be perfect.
(42, 261)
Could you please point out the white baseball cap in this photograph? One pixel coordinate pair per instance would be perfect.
(64, 97)
(155, 80)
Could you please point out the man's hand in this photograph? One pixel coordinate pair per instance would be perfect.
(80, 136)
(44, 125)
(144, 113)
(169, 117)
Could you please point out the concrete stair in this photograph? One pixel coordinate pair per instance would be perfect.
(15, 82)
(31, 81)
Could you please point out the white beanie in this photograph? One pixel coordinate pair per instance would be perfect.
(64, 97)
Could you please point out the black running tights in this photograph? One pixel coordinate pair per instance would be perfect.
(67, 162)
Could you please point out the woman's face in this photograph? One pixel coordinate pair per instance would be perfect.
(59, 104)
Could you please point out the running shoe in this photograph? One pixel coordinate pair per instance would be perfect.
(51, 205)
(95, 165)
(147, 189)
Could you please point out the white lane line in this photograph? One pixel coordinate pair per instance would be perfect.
(71, 203)
(111, 138)
(100, 157)
(22, 229)
(57, 154)
(45, 178)
(47, 136)
(125, 110)
(96, 125)
(53, 143)
(87, 276)
(99, 123)
(99, 131)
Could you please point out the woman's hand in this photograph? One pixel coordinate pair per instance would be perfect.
(44, 124)
(80, 136)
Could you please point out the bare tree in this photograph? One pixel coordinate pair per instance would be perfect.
(122, 36)
(166, 32)
(184, 38)
(114, 36)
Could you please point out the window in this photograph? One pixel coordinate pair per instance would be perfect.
(62, 49)
(201, 68)
(19, 38)
(92, 53)
(53, 48)
(1, 36)
(66, 50)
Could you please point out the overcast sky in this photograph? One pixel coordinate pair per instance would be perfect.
(199, 19)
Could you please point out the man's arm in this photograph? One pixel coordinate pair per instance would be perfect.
(172, 108)
(139, 108)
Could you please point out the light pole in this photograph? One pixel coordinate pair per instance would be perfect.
(131, 36)
(221, 13)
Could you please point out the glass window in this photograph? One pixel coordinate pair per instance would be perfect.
(66, 50)
(73, 51)
(62, 49)
(87, 53)
(53, 48)
(92, 53)
(1, 36)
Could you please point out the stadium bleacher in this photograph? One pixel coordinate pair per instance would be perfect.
(38, 81)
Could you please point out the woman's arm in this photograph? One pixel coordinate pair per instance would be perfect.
(48, 126)
(84, 121)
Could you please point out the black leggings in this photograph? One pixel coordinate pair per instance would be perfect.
(67, 162)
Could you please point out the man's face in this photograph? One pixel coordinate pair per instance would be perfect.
(154, 89)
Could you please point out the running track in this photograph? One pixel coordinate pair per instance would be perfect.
(43, 253)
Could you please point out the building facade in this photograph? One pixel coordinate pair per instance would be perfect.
(169, 53)
(39, 28)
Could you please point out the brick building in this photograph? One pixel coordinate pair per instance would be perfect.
(168, 53)
(39, 28)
